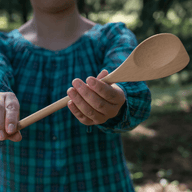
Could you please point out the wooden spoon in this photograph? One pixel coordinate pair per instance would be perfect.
(158, 56)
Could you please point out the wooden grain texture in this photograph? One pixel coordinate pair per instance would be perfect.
(158, 56)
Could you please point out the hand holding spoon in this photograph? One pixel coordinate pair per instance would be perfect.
(156, 57)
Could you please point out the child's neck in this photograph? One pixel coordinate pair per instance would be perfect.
(54, 32)
(48, 25)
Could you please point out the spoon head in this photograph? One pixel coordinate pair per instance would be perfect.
(157, 51)
(158, 56)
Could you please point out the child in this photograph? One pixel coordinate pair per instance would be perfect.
(38, 63)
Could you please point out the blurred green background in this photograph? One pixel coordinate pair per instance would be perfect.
(160, 149)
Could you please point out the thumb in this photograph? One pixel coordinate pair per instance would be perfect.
(102, 74)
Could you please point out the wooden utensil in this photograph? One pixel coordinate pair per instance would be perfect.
(158, 56)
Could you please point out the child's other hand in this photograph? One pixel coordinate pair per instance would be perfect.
(95, 102)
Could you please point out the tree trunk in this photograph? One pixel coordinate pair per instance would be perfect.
(146, 16)
(103, 4)
(24, 10)
(10, 11)
(81, 6)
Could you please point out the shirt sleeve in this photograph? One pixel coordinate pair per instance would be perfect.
(6, 70)
(119, 43)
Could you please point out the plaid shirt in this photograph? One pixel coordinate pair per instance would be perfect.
(57, 154)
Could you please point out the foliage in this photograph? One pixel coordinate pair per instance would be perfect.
(12, 7)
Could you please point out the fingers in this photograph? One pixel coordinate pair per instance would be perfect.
(9, 117)
(79, 115)
(16, 137)
(103, 90)
(3, 135)
(96, 101)
(102, 74)
(82, 110)
(92, 98)
(12, 110)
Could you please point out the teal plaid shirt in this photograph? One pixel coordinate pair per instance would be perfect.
(57, 153)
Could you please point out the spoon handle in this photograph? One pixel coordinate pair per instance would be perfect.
(43, 113)
(46, 111)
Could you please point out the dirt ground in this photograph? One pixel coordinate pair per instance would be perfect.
(162, 152)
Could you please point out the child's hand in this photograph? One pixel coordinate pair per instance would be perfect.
(95, 102)
(9, 114)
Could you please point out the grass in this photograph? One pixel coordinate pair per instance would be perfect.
(171, 99)
(160, 148)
